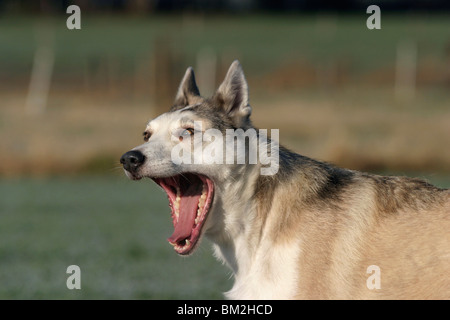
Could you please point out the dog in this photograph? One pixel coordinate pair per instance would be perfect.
(309, 230)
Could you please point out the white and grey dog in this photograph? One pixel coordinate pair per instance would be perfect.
(287, 225)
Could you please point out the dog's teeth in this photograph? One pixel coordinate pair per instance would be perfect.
(201, 203)
(204, 191)
(187, 242)
(176, 206)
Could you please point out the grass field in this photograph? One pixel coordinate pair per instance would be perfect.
(113, 229)
(261, 41)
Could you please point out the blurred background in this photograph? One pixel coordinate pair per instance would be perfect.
(73, 101)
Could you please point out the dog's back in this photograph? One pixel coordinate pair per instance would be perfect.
(350, 224)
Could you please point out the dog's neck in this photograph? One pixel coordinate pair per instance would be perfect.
(233, 227)
(242, 202)
(243, 216)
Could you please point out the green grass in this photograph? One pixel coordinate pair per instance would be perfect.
(260, 41)
(113, 229)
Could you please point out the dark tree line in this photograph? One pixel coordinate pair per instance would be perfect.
(232, 6)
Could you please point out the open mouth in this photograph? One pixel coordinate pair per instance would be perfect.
(190, 197)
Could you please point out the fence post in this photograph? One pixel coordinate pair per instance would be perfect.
(406, 70)
(41, 72)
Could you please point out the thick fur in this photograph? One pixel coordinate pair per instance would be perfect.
(311, 230)
(331, 224)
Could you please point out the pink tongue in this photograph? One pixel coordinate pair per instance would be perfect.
(188, 213)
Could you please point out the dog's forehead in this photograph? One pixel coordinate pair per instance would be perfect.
(174, 119)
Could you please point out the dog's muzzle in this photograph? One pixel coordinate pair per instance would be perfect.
(132, 160)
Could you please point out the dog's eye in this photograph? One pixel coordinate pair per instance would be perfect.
(186, 133)
(146, 135)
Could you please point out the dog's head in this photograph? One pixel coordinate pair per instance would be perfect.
(184, 151)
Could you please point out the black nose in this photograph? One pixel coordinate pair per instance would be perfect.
(132, 160)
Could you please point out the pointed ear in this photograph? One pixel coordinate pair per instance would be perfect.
(232, 95)
(187, 91)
